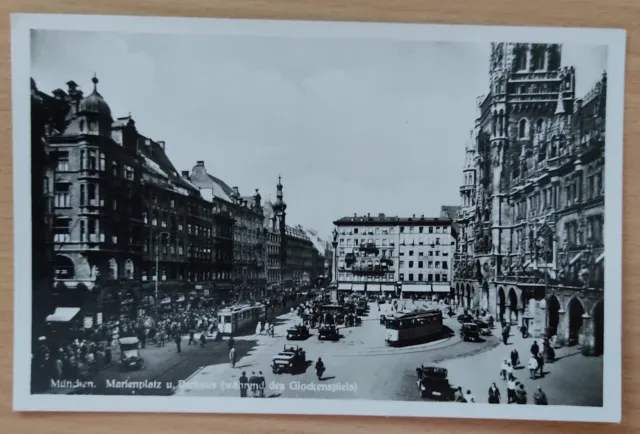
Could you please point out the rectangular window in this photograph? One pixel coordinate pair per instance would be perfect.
(437, 278)
(62, 195)
(355, 230)
(445, 265)
(420, 277)
(410, 264)
(62, 230)
(82, 194)
(129, 173)
(430, 229)
(92, 163)
(410, 252)
(63, 161)
(430, 278)
(420, 264)
(410, 277)
(103, 162)
(421, 230)
(114, 169)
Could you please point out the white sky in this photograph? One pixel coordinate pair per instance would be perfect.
(352, 126)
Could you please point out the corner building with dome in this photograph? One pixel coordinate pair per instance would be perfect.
(531, 244)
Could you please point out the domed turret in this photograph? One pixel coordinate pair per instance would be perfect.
(279, 206)
(94, 103)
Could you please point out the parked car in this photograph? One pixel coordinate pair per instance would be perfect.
(433, 383)
(470, 332)
(465, 318)
(130, 354)
(298, 332)
(329, 332)
(292, 359)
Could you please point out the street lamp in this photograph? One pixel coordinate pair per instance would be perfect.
(158, 238)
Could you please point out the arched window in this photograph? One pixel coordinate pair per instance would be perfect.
(64, 267)
(522, 128)
(539, 124)
(493, 123)
(501, 122)
(128, 269)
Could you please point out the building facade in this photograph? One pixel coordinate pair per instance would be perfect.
(273, 270)
(239, 236)
(531, 248)
(407, 255)
(119, 208)
(299, 270)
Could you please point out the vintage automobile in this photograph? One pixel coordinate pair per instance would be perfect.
(465, 318)
(329, 332)
(470, 332)
(433, 383)
(483, 328)
(300, 332)
(291, 359)
(130, 354)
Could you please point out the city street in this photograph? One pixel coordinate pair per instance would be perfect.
(359, 366)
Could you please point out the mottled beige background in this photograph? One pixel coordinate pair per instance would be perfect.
(588, 13)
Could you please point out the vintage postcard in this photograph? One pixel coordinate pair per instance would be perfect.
(245, 216)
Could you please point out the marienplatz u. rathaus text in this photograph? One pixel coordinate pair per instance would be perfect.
(531, 245)
(117, 229)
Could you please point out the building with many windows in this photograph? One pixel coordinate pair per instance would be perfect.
(532, 244)
(121, 207)
(273, 270)
(239, 238)
(411, 255)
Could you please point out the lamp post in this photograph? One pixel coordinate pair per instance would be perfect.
(158, 238)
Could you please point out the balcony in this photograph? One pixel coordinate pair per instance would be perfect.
(369, 248)
(379, 268)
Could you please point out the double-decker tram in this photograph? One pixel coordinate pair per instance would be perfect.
(406, 328)
(240, 318)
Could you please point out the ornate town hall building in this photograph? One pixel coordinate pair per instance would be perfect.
(531, 246)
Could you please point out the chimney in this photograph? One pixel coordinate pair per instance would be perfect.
(236, 190)
(162, 144)
(185, 174)
(200, 163)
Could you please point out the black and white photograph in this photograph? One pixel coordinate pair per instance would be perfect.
(245, 216)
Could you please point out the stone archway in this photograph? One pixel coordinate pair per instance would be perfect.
(513, 306)
(575, 310)
(484, 298)
(468, 306)
(598, 328)
(553, 312)
(502, 303)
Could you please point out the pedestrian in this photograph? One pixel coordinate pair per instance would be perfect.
(524, 331)
(521, 395)
(535, 349)
(469, 397)
(259, 328)
(231, 343)
(192, 337)
(540, 359)
(503, 369)
(533, 367)
(202, 340)
(178, 340)
(511, 390)
(505, 335)
(494, 394)
(515, 358)
(232, 357)
(243, 385)
(540, 398)
(509, 370)
(253, 384)
(458, 396)
(262, 384)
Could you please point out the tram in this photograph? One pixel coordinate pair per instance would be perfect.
(240, 318)
(412, 327)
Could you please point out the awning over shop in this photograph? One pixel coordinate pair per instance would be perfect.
(600, 258)
(344, 287)
(416, 288)
(166, 300)
(442, 288)
(357, 288)
(388, 288)
(180, 297)
(575, 258)
(63, 314)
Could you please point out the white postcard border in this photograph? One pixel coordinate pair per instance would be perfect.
(21, 26)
